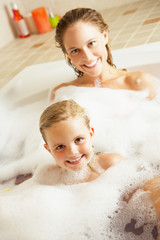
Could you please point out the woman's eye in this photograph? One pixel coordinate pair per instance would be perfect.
(79, 140)
(60, 147)
(74, 52)
(92, 43)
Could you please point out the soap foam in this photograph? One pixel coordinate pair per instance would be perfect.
(94, 210)
(125, 122)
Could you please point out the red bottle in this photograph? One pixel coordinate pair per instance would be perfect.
(20, 23)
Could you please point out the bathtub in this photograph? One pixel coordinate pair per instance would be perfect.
(34, 82)
(89, 210)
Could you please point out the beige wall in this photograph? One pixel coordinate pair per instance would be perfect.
(7, 30)
(61, 6)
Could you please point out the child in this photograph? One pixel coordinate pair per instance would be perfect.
(68, 136)
(65, 128)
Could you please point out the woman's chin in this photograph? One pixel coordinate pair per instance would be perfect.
(92, 71)
(94, 74)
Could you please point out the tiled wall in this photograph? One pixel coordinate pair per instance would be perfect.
(129, 25)
(61, 6)
(134, 24)
(7, 29)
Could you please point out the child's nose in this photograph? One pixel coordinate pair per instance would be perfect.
(72, 150)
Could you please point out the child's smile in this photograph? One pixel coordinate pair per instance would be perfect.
(70, 143)
(75, 161)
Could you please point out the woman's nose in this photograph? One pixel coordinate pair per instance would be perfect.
(86, 54)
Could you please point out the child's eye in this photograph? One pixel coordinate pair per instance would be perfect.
(60, 147)
(79, 140)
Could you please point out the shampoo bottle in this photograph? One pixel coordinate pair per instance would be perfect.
(20, 23)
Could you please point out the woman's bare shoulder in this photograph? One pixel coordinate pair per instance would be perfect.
(139, 78)
(139, 75)
(141, 81)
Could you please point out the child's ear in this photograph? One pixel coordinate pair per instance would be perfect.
(92, 131)
(47, 147)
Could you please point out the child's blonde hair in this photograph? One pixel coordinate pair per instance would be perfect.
(61, 111)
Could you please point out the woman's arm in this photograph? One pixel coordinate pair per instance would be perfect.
(153, 187)
(52, 94)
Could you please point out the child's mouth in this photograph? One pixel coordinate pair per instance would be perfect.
(76, 161)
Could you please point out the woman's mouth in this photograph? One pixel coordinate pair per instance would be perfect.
(91, 65)
(75, 161)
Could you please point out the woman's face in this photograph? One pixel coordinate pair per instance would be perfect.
(70, 143)
(85, 46)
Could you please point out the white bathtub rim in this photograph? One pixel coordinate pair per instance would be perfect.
(39, 78)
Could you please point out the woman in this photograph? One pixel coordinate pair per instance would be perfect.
(83, 37)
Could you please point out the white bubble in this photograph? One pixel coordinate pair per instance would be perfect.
(125, 122)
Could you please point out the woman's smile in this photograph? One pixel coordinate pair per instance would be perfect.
(92, 64)
(85, 47)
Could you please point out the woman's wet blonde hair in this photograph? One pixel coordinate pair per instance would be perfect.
(59, 112)
(86, 15)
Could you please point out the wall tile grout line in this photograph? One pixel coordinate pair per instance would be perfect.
(129, 25)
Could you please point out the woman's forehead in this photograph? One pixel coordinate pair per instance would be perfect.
(80, 32)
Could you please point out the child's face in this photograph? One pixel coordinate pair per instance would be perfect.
(85, 46)
(70, 143)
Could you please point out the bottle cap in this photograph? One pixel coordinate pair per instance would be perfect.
(50, 12)
(14, 6)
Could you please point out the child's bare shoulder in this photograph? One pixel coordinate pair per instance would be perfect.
(107, 160)
(44, 173)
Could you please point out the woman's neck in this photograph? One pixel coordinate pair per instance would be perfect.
(108, 73)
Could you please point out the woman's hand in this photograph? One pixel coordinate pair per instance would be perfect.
(153, 187)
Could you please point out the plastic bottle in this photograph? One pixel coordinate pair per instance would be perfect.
(41, 20)
(20, 23)
(53, 19)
